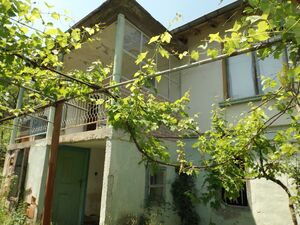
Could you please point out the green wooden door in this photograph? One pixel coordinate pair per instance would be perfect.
(70, 186)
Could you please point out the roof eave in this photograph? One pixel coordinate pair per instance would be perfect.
(207, 17)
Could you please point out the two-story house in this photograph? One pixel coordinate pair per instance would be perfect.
(99, 179)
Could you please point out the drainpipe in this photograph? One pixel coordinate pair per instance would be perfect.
(16, 120)
(107, 185)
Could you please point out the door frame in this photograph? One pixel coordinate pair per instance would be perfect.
(85, 172)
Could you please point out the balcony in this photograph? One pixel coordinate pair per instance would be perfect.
(78, 115)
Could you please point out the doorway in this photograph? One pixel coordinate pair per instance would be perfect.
(70, 185)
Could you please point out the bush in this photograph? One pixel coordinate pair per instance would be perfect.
(183, 190)
(15, 216)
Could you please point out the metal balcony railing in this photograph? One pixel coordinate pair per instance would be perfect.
(34, 125)
(78, 116)
(85, 114)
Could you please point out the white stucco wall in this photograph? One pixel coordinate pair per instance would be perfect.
(128, 179)
(268, 202)
(36, 174)
(127, 185)
(205, 86)
(95, 180)
(36, 160)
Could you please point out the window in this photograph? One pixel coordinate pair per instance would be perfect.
(245, 72)
(156, 185)
(169, 85)
(132, 40)
(136, 42)
(241, 200)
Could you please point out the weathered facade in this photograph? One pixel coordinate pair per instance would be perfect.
(99, 179)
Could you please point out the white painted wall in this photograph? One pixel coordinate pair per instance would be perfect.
(36, 159)
(204, 84)
(127, 178)
(101, 48)
(126, 184)
(95, 180)
(268, 202)
(35, 177)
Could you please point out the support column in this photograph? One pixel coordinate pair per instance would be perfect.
(119, 42)
(53, 132)
(50, 122)
(52, 164)
(41, 199)
(107, 188)
(16, 120)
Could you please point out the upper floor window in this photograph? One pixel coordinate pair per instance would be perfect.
(245, 73)
(132, 40)
(135, 42)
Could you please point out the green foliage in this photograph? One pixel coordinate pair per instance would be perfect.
(151, 216)
(15, 216)
(28, 56)
(184, 195)
(237, 151)
(4, 139)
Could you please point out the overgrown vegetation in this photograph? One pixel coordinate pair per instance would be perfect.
(15, 216)
(28, 57)
(149, 217)
(184, 196)
(4, 139)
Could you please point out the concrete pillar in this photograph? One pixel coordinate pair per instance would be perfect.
(119, 42)
(16, 120)
(107, 186)
(50, 123)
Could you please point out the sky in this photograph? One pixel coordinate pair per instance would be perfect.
(162, 10)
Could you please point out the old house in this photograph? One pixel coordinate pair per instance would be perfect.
(99, 179)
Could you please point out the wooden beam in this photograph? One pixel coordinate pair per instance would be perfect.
(52, 163)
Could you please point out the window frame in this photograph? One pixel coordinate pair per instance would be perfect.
(254, 72)
(171, 82)
(149, 174)
(143, 37)
(234, 203)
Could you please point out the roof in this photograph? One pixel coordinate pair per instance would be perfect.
(207, 17)
(107, 13)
